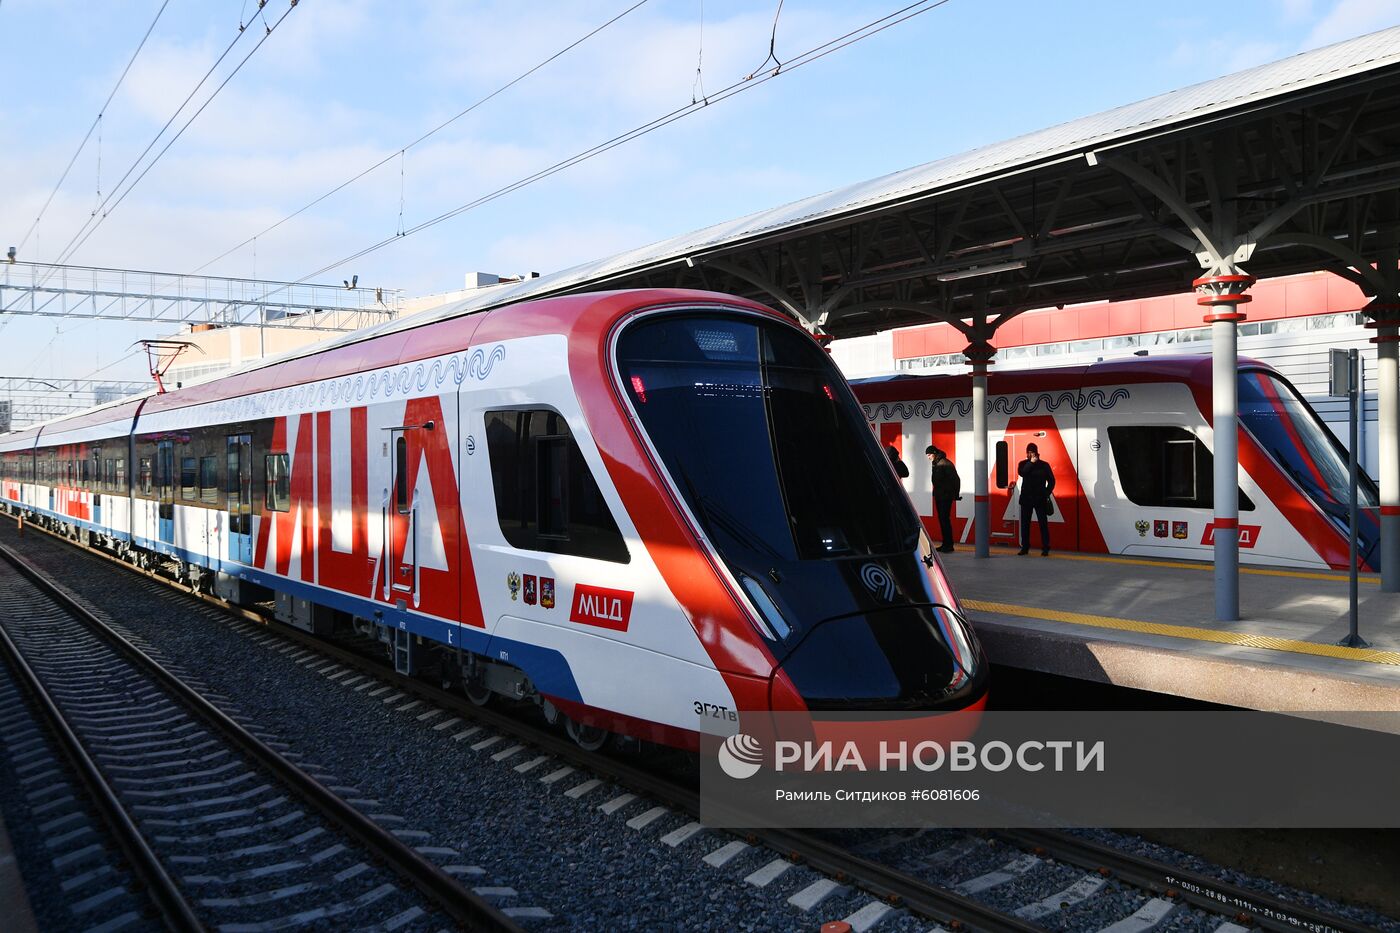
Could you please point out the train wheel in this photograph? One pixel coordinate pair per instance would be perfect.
(477, 691)
(588, 738)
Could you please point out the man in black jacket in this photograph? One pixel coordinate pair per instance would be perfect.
(1037, 483)
(947, 486)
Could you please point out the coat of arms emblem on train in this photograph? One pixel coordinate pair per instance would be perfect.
(1141, 525)
(546, 592)
(513, 583)
(1180, 530)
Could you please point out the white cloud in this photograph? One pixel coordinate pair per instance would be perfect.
(1353, 18)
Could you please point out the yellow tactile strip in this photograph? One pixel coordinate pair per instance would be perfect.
(1337, 576)
(1369, 655)
(1334, 576)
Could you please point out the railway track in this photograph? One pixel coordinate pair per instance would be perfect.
(1151, 895)
(204, 812)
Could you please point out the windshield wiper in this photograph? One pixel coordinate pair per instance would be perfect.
(727, 522)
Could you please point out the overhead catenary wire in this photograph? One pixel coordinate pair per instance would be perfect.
(697, 87)
(398, 153)
(96, 120)
(118, 192)
(748, 82)
(772, 45)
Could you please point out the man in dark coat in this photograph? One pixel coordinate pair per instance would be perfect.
(901, 469)
(947, 486)
(1037, 483)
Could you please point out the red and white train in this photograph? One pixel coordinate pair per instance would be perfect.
(1130, 444)
(646, 510)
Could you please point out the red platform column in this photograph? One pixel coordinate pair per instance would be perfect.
(979, 354)
(1223, 295)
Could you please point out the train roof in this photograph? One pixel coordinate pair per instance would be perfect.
(430, 337)
(1193, 368)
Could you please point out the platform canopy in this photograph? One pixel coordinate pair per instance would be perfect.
(1289, 166)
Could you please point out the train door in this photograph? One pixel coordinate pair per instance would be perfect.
(1006, 507)
(165, 490)
(94, 485)
(239, 492)
(401, 510)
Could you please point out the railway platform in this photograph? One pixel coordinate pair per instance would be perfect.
(1149, 624)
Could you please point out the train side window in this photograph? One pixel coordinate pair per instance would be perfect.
(552, 486)
(1003, 464)
(1179, 470)
(1165, 466)
(277, 472)
(401, 475)
(119, 474)
(189, 478)
(209, 480)
(546, 497)
(143, 475)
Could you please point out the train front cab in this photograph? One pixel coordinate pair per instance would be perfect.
(764, 446)
(1312, 462)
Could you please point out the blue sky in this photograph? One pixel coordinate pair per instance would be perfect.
(343, 83)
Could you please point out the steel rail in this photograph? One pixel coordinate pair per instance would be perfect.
(947, 907)
(445, 892)
(934, 902)
(1249, 908)
(160, 888)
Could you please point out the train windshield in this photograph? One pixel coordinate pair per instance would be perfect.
(1288, 428)
(764, 440)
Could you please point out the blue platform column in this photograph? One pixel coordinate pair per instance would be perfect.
(1223, 295)
(979, 355)
(1385, 320)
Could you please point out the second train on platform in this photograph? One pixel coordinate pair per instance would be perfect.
(1130, 444)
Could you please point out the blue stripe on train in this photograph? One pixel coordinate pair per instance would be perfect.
(546, 667)
(81, 523)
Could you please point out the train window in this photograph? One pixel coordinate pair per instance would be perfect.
(209, 479)
(119, 474)
(109, 474)
(277, 472)
(1165, 466)
(401, 475)
(552, 486)
(546, 497)
(144, 475)
(1179, 470)
(189, 478)
(1003, 464)
(766, 445)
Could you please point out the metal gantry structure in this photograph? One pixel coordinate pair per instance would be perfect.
(25, 400)
(43, 290)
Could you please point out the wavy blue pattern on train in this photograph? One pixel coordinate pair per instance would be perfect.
(909, 411)
(411, 379)
(1096, 398)
(1005, 404)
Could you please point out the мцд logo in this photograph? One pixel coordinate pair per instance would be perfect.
(741, 756)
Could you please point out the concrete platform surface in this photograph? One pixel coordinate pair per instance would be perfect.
(1150, 624)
